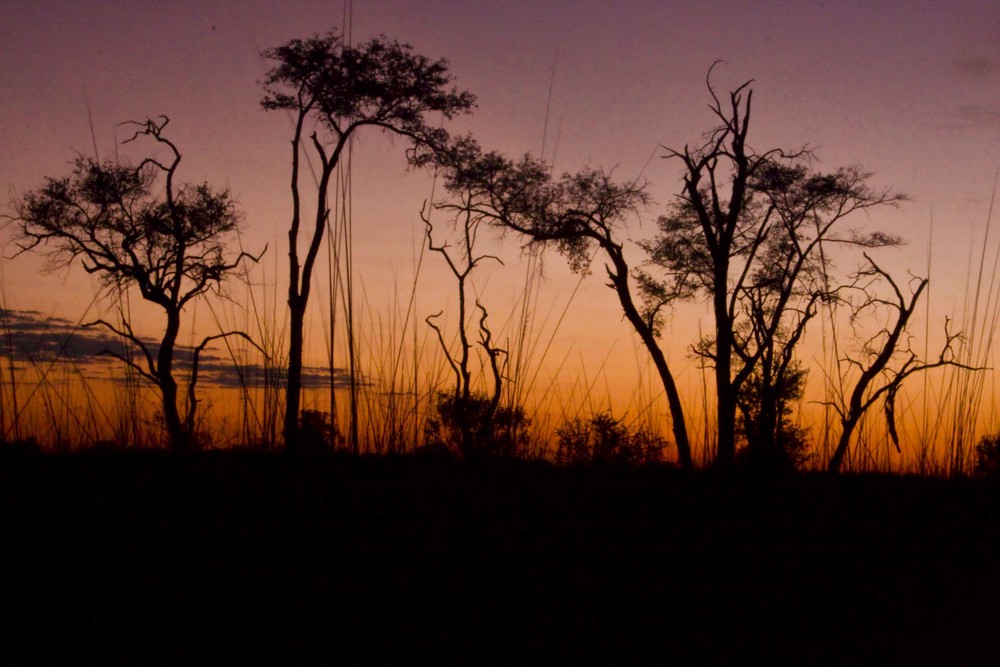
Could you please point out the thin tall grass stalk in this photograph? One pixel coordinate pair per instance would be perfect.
(263, 407)
(10, 349)
(44, 369)
(925, 442)
(982, 326)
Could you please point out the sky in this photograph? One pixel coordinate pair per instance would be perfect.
(910, 90)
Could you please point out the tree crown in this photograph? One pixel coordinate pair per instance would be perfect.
(108, 216)
(573, 212)
(382, 83)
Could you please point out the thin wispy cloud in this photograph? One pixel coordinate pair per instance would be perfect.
(29, 338)
(976, 65)
(979, 116)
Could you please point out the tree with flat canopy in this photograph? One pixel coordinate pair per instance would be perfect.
(332, 90)
(107, 217)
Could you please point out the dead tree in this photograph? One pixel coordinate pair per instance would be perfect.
(879, 379)
(474, 415)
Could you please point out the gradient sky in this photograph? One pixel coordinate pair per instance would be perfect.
(910, 90)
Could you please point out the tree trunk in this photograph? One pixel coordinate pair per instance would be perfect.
(725, 422)
(676, 409)
(767, 431)
(293, 390)
(619, 281)
(764, 442)
(725, 391)
(179, 438)
(843, 443)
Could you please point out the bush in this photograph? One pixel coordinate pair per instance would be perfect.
(604, 439)
(474, 430)
(768, 438)
(790, 450)
(316, 433)
(988, 456)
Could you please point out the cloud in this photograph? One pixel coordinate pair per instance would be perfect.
(979, 116)
(976, 65)
(226, 374)
(29, 339)
(29, 336)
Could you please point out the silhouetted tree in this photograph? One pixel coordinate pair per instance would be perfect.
(748, 233)
(474, 415)
(338, 89)
(576, 214)
(107, 216)
(879, 377)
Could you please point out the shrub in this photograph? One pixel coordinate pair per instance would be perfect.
(316, 433)
(476, 429)
(604, 439)
(767, 436)
(988, 456)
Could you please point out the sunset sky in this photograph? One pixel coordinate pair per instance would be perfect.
(910, 90)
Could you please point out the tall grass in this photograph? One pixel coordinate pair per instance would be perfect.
(981, 314)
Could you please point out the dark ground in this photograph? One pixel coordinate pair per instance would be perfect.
(258, 559)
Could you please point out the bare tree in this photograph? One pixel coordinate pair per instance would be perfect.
(575, 214)
(485, 428)
(339, 89)
(748, 232)
(106, 217)
(885, 361)
(461, 268)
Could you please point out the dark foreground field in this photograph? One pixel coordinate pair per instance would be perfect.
(257, 559)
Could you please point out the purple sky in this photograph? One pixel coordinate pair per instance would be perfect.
(910, 90)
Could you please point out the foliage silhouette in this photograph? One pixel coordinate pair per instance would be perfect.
(771, 440)
(341, 89)
(107, 217)
(316, 433)
(988, 456)
(575, 214)
(602, 439)
(477, 428)
(20, 447)
(748, 233)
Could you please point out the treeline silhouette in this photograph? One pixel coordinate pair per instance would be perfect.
(471, 547)
(752, 232)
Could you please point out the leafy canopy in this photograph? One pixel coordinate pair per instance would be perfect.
(108, 216)
(381, 82)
